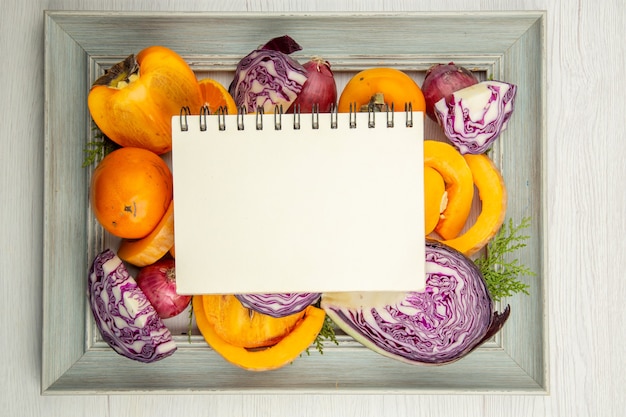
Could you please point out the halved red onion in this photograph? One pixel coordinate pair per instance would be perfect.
(320, 88)
(441, 81)
(158, 283)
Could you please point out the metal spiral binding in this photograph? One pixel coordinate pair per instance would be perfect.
(278, 117)
(353, 116)
(408, 110)
(204, 112)
(184, 112)
(371, 116)
(259, 118)
(296, 117)
(240, 114)
(315, 116)
(333, 116)
(390, 115)
(221, 117)
(222, 112)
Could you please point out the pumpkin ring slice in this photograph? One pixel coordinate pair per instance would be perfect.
(493, 197)
(273, 357)
(456, 173)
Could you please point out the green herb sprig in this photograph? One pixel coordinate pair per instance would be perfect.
(326, 333)
(502, 275)
(97, 149)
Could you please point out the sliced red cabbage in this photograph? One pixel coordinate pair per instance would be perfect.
(439, 325)
(268, 77)
(127, 321)
(473, 117)
(279, 304)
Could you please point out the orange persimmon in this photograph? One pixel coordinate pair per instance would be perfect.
(134, 101)
(130, 191)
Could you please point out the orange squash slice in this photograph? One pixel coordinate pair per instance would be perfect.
(148, 250)
(262, 359)
(396, 86)
(435, 198)
(493, 198)
(243, 327)
(457, 175)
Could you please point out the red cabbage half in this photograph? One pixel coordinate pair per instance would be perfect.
(473, 117)
(278, 305)
(127, 321)
(443, 323)
(268, 77)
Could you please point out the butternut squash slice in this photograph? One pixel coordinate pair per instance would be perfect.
(265, 359)
(396, 86)
(493, 198)
(456, 173)
(243, 327)
(435, 198)
(148, 250)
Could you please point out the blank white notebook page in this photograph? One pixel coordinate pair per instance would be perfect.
(298, 210)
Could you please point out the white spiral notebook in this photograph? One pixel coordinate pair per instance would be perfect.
(315, 202)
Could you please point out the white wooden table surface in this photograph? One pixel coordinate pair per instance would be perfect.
(586, 150)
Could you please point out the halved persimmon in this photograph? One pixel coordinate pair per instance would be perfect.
(214, 95)
(131, 189)
(146, 251)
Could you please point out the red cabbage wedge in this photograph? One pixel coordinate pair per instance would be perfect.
(127, 321)
(279, 304)
(268, 77)
(440, 325)
(473, 117)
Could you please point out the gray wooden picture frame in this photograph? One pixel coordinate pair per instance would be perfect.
(505, 45)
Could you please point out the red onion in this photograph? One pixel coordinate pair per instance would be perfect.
(441, 81)
(320, 88)
(158, 282)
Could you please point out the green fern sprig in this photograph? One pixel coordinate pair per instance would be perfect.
(98, 148)
(326, 333)
(501, 274)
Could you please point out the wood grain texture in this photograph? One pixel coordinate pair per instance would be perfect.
(585, 165)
